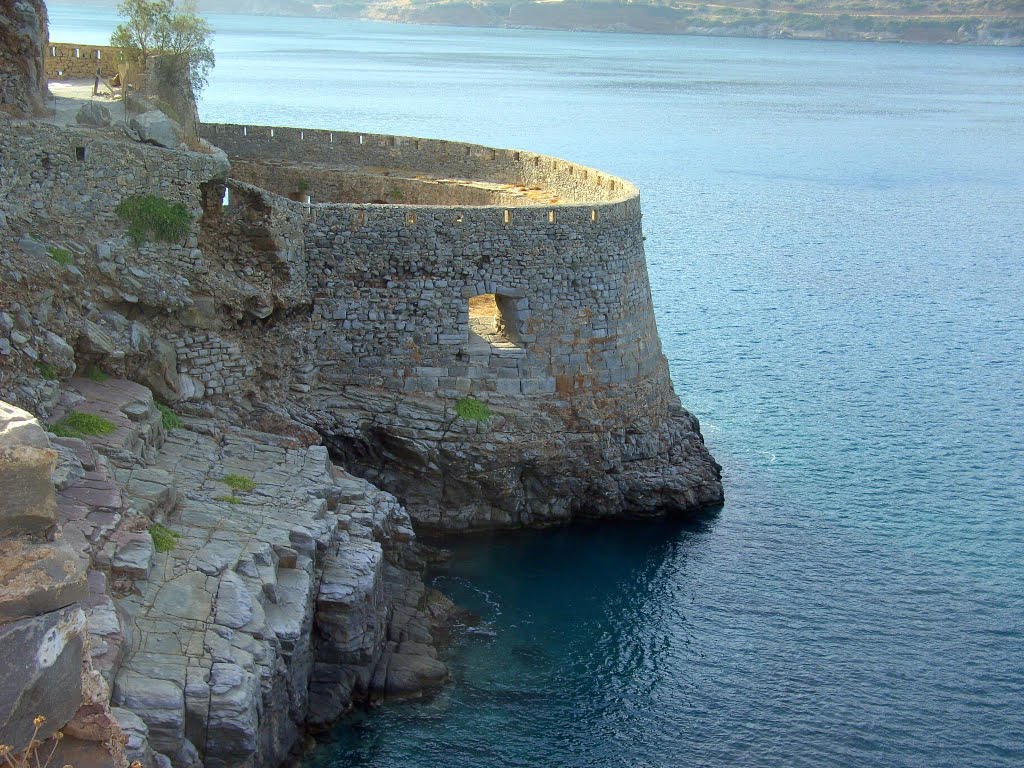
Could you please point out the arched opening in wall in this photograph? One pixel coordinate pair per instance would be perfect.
(493, 322)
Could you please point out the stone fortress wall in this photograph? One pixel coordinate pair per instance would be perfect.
(558, 245)
(71, 60)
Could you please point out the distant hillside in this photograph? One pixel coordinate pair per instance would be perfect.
(979, 22)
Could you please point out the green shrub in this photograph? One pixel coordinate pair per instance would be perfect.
(471, 409)
(228, 499)
(169, 418)
(81, 425)
(164, 539)
(47, 371)
(238, 482)
(153, 218)
(60, 255)
(94, 373)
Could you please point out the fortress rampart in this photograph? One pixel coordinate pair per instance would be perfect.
(396, 282)
(67, 60)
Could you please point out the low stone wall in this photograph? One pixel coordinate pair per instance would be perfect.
(72, 60)
(410, 156)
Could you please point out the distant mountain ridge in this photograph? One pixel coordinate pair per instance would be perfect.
(977, 22)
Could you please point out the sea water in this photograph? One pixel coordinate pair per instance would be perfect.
(835, 234)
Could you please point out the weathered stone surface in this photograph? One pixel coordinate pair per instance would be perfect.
(37, 578)
(41, 673)
(27, 500)
(155, 127)
(94, 114)
(23, 33)
(134, 556)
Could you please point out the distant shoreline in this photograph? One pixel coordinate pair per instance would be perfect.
(709, 20)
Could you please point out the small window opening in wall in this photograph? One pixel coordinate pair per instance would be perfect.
(302, 135)
(410, 217)
(332, 138)
(593, 214)
(53, 50)
(494, 154)
(551, 217)
(99, 54)
(508, 216)
(226, 200)
(361, 218)
(271, 133)
(458, 217)
(516, 157)
(536, 161)
(416, 144)
(78, 53)
(245, 130)
(492, 322)
(469, 151)
(80, 154)
(570, 169)
(360, 139)
(392, 141)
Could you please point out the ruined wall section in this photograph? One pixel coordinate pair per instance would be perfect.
(72, 60)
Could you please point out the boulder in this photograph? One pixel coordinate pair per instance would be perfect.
(154, 127)
(94, 114)
(38, 578)
(27, 500)
(41, 673)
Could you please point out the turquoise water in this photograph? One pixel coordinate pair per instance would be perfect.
(835, 238)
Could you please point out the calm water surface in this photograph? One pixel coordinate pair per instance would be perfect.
(835, 238)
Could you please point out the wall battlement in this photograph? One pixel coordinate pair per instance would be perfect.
(71, 60)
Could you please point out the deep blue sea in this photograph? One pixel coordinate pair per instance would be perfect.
(835, 235)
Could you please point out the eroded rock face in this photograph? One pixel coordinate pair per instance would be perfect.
(23, 36)
(522, 467)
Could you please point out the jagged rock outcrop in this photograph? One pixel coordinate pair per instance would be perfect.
(278, 592)
(23, 35)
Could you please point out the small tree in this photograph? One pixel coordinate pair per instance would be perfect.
(166, 28)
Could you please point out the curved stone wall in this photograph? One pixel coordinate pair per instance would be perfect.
(391, 306)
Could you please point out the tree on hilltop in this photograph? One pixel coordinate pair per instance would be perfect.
(166, 28)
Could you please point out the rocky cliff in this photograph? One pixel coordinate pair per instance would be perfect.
(23, 35)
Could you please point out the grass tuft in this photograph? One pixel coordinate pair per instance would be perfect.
(94, 373)
(81, 425)
(47, 371)
(240, 483)
(164, 539)
(228, 499)
(60, 255)
(471, 409)
(169, 418)
(154, 218)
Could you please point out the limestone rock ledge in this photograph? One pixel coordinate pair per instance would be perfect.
(524, 467)
(271, 607)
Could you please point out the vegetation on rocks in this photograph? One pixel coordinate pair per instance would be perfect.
(81, 425)
(151, 217)
(28, 756)
(60, 255)
(239, 483)
(168, 417)
(228, 499)
(47, 371)
(471, 409)
(94, 373)
(164, 539)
